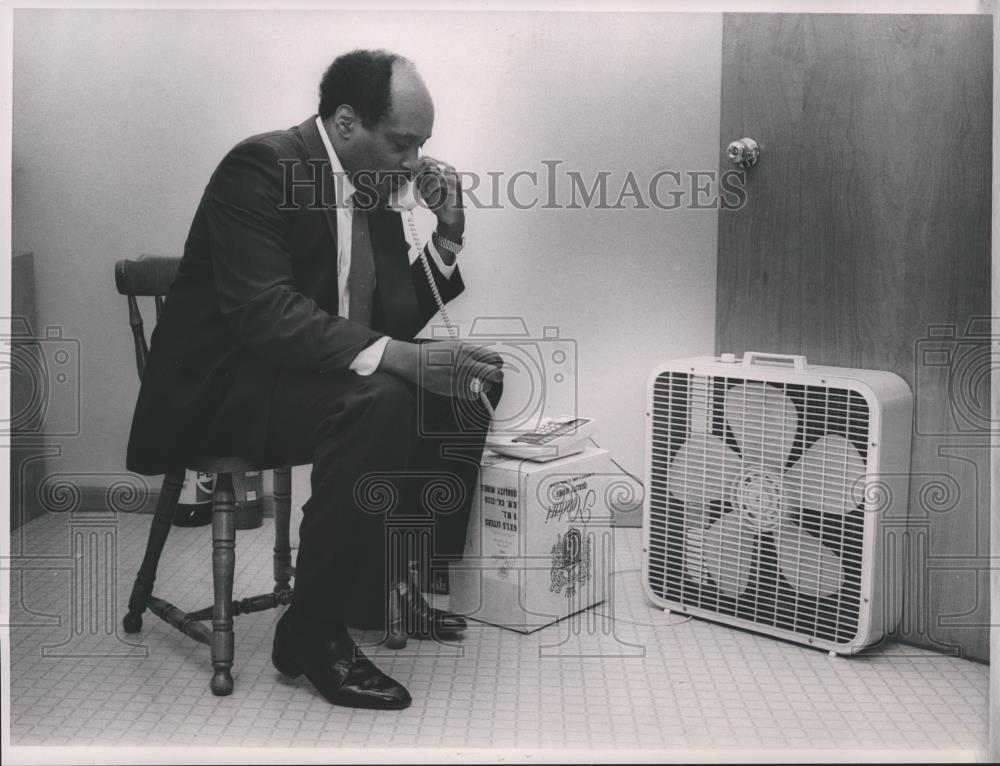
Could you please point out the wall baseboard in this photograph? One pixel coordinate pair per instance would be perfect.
(94, 499)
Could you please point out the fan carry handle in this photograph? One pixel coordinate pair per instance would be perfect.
(795, 361)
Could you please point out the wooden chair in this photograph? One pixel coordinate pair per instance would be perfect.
(152, 276)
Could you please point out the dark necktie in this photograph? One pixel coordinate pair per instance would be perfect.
(361, 277)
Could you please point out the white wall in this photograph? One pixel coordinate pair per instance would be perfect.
(993, 746)
(121, 116)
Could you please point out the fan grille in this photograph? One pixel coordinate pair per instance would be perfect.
(686, 405)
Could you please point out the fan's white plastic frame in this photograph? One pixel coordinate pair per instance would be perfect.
(890, 407)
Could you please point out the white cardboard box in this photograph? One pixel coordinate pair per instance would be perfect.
(539, 542)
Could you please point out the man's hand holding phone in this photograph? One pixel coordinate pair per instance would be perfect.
(440, 187)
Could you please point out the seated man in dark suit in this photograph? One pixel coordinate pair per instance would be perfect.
(288, 337)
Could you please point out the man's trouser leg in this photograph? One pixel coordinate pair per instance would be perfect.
(372, 462)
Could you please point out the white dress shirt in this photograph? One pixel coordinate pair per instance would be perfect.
(369, 359)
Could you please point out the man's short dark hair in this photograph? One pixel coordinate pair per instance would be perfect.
(360, 79)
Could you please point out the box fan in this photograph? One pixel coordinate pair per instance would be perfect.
(770, 483)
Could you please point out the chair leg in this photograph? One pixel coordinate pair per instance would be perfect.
(142, 589)
(282, 521)
(223, 565)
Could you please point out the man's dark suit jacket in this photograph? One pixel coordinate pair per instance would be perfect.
(257, 291)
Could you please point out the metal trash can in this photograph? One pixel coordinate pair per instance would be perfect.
(249, 488)
(194, 506)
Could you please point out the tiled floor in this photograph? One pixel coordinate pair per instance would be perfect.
(642, 680)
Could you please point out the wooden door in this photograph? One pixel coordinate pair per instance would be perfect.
(865, 242)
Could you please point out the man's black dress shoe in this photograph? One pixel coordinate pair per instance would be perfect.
(411, 615)
(336, 667)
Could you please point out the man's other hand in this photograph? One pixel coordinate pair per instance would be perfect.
(445, 367)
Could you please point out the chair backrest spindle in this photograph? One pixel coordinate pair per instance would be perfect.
(147, 275)
(138, 335)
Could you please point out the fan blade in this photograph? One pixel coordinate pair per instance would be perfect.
(727, 553)
(694, 552)
(806, 563)
(764, 422)
(700, 469)
(828, 477)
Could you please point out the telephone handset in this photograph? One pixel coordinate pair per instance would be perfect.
(403, 199)
(407, 196)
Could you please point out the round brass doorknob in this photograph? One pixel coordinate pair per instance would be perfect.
(743, 153)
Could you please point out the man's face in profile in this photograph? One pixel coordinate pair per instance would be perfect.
(384, 155)
(388, 152)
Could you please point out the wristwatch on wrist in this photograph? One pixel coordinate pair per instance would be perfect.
(446, 244)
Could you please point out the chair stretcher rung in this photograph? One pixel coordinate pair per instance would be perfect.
(259, 603)
(183, 621)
